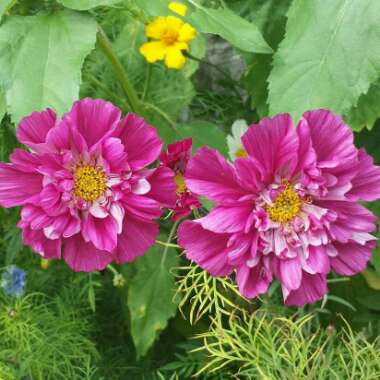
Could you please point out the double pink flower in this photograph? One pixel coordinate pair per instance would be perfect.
(84, 187)
(289, 211)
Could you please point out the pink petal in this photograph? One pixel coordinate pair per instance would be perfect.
(141, 206)
(141, 141)
(312, 289)
(253, 281)
(114, 154)
(94, 119)
(17, 187)
(33, 129)
(227, 219)
(137, 237)
(318, 260)
(84, 257)
(48, 249)
(163, 187)
(210, 175)
(366, 183)
(290, 272)
(273, 145)
(101, 232)
(26, 161)
(333, 142)
(352, 258)
(249, 176)
(207, 249)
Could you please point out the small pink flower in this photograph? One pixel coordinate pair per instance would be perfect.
(84, 188)
(288, 211)
(176, 158)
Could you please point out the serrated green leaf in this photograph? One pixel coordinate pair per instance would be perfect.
(154, 8)
(367, 111)
(204, 133)
(43, 66)
(239, 32)
(150, 296)
(83, 5)
(328, 58)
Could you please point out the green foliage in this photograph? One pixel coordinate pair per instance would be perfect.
(239, 32)
(154, 8)
(151, 296)
(39, 339)
(367, 111)
(3, 106)
(82, 5)
(328, 58)
(206, 295)
(267, 346)
(34, 74)
(4, 4)
(204, 133)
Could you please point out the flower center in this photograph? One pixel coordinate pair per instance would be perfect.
(180, 182)
(89, 183)
(241, 153)
(170, 37)
(286, 206)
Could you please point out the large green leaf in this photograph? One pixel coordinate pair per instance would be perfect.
(204, 133)
(239, 32)
(82, 5)
(329, 57)
(154, 8)
(367, 111)
(42, 60)
(150, 296)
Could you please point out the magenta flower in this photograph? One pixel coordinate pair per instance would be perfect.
(288, 211)
(84, 188)
(176, 158)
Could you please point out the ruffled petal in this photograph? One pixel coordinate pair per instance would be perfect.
(18, 188)
(101, 232)
(227, 219)
(94, 119)
(114, 155)
(85, 257)
(290, 273)
(137, 237)
(352, 258)
(210, 175)
(163, 187)
(141, 206)
(207, 249)
(273, 145)
(312, 289)
(141, 141)
(33, 129)
(253, 281)
(366, 183)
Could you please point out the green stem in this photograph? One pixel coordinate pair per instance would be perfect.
(161, 113)
(170, 238)
(147, 81)
(106, 46)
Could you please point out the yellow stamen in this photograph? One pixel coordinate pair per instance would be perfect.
(241, 153)
(180, 182)
(286, 206)
(89, 183)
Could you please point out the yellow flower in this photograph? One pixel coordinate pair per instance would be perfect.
(44, 263)
(171, 36)
(179, 8)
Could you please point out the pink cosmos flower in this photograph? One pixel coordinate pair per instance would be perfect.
(288, 211)
(176, 158)
(84, 188)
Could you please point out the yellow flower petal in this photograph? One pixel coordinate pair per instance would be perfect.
(153, 51)
(174, 58)
(174, 24)
(186, 33)
(179, 8)
(157, 28)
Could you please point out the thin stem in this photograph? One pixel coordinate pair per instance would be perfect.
(106, 46)
(161, 113)
(147, 81)
(170, 238)
(159, 242)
